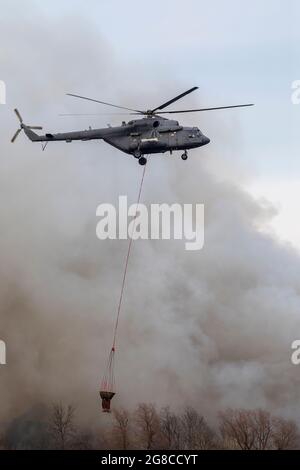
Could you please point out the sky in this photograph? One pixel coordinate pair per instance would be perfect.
(215, 327)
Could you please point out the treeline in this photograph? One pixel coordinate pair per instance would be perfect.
(149, 428)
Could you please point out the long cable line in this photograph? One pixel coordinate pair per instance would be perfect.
(127, 260)
(108, 382)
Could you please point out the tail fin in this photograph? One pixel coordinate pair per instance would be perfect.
(30, 134)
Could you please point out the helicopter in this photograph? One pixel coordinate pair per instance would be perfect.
(151, 133)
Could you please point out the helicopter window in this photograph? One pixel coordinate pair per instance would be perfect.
(191, 136)
(156, 124)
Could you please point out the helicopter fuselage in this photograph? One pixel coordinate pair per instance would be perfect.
(155, 135)
(137, 137)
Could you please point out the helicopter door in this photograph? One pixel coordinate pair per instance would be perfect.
(173, 141)
(134, 141)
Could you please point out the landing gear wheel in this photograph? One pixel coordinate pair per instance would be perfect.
(184, 156)
(142, 161)
(137, 154)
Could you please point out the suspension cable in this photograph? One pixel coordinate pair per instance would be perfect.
(108, 381)
(127, 260)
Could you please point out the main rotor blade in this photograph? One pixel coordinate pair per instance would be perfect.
(96, 114)
(164, 105)
(35, 127)
(15, 135)
(108, 104)
(204, 109)
(19, 115)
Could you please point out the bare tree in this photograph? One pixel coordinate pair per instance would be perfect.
(237, 429)
(257, 429)
(121, 428)
(62, 425)
(148, 425)
(262, 423)
(195, 431)
(2, 442)
(285, 434)
(171, 428)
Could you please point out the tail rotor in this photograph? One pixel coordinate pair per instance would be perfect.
(22, 126)
(15, 135)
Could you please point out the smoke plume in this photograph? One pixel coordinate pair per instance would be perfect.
(211, 328)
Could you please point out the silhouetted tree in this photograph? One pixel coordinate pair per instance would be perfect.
(121, 429)
(237, 429)
(171, 428)
(257, 429)
(62, 425)
(285, 434)
(196, 434)
(147, 425)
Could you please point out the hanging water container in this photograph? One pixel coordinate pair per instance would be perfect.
(106, 398)
(107, 389)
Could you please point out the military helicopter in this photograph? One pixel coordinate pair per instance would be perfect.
(150, 134)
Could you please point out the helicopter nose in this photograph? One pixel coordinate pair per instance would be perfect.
(205, 140)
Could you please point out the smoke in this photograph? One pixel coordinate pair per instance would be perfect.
(211, 328)
(29, 431)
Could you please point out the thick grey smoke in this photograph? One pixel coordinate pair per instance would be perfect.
(211, 328)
